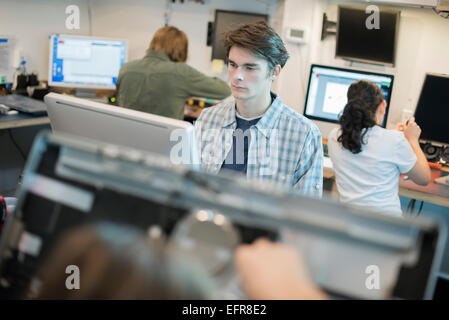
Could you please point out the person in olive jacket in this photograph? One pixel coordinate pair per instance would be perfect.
(161, 81)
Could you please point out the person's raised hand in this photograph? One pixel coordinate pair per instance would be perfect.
(271, 270)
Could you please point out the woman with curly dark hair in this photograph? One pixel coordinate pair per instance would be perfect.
(367, 158)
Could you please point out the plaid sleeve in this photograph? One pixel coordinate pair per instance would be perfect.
(199, 127)
(308, 177)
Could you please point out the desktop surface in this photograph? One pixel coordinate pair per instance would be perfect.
(432, 188)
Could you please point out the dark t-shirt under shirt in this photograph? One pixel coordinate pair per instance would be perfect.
(237, 158)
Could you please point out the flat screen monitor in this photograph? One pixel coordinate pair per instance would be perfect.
(85, 62)
(328, 87)
(432, 111)
(355, 41)
(227, 20)
(168, 137)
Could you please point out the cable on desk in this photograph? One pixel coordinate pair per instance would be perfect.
(411, 207)
(16, 145)
(420, 208)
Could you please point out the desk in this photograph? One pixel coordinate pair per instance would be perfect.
(23, 128)
(21, 120)
(432, 193)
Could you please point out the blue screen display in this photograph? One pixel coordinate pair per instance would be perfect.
(86, 62)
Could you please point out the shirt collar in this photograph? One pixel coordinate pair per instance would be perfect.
(269, 118)
(229, 114)
(267, 121)
(157, 55)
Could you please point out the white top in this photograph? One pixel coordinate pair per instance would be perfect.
(371, 177)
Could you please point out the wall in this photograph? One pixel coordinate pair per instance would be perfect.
(422, 47)
(422, 43)
(31, 22)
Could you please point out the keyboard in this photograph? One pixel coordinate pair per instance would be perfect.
(24, 104)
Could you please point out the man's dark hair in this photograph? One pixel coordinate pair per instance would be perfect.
(261, 40)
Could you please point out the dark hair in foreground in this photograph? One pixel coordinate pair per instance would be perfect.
(115, 262)
(261, 40)
(359, 114)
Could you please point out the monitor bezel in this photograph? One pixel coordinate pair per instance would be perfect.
(55, 101)
(262, 15)
(76, 85)
(384, 124)
(371, 61)
(441, 75)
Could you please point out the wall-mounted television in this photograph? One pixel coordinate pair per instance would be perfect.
(355, 41)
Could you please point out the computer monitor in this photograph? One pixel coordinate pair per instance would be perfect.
(227, 20)
(85, 62)
(355, 41)
(350, 252)
(327, 93)
(432, 111)
(124, 127)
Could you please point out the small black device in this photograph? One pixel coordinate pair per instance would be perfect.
(431, 151)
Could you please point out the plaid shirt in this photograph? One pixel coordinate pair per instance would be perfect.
(285, 147)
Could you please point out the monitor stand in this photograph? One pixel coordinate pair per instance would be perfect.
(85, 93)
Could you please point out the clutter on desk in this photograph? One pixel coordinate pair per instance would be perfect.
(195, 105)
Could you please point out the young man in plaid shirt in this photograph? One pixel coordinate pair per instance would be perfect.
(253, 132)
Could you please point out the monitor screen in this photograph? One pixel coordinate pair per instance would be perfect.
(432, 111)
(85, 62)
(227, 20)
(328, 87)
(356, 42)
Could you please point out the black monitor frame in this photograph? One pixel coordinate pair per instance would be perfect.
(217, 12)
(349, 70)
(417, 109)
(371, 61)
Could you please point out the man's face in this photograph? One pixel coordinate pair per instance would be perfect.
(248, 74)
